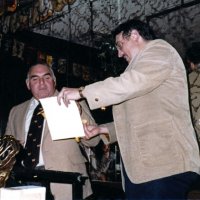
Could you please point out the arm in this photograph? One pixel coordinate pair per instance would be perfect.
(151, 68)
(105, 131)
(87, 119)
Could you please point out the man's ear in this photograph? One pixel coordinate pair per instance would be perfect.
(27, 84)
(135, 35)
(55, 84)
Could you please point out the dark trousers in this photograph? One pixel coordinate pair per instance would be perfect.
(169, 188)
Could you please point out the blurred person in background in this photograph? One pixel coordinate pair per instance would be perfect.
(192, 57)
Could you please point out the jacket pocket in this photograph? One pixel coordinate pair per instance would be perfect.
(156, 143)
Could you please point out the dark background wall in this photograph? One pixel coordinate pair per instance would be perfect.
(14, 69)
(80, 36)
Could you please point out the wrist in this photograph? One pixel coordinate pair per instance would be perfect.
(80, 90)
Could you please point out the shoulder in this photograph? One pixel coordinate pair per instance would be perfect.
(160, 49)
(20, 107)
(159, 44)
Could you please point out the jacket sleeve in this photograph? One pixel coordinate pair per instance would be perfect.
(87, 117)
(112, 133)
(144, 74)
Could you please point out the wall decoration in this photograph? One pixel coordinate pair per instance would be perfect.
(90, 22)
(18, 49)
(179, 26)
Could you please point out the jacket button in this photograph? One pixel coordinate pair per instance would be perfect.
(96, 99)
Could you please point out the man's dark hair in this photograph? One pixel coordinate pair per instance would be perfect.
(143, 29)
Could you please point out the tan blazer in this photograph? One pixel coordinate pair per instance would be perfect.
(61, 155)
(151, 114)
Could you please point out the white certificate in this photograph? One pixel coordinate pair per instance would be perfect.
(64, 122)
(23, 193)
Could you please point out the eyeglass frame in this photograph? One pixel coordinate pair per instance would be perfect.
(119, 44)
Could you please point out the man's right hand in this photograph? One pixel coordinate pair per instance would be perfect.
(67, 94)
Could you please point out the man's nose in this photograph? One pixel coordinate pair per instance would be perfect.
(41, 80)
(120, 53)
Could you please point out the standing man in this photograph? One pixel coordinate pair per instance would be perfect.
(61, 155)
(159, 151)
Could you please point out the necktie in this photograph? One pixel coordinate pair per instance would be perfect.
(32, 146)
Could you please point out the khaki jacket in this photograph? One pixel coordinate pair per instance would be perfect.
(152, 121)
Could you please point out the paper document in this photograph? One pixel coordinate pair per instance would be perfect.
(23, 193)
(64, 122)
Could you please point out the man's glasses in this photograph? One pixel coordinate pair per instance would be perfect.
(119, 45)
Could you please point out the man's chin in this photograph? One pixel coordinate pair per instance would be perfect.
(43, 96)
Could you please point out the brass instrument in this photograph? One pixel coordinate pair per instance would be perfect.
(9, 148)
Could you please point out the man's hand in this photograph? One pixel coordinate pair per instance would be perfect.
(67, 94)
(93, 130)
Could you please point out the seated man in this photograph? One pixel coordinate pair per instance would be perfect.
(60, 155)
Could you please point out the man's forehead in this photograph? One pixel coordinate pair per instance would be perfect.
(40, 74)
(39, 69)
(121, 35)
